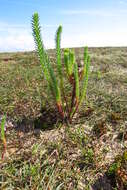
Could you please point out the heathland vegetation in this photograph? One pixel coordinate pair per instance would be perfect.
(63, 117)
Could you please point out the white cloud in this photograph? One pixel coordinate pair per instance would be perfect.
(15, 37)
(96, 39)
(90, 12)
(19, 37)
(19, 42)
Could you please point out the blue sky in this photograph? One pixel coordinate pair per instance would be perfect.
(85, 22)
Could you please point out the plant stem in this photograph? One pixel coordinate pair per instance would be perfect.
(4, 148)
(60, 110)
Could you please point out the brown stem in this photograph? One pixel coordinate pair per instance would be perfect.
(60, 110)
(4, 149)
(81, 75)
(75, 110)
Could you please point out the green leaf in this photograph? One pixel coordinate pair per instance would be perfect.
(85, 61)
(44, 59)
(58, 51)
(3, 128)
(66, 60)
(85, 80)
(76, 76)
(39, 44)
(69, 60)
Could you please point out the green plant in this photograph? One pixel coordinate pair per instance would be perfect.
(3, 135)
(113, 168)
(118, 171)
(56, 81)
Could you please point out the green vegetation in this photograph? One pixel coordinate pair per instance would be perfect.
(41, 152)
(3, 135)
(118, 171)
(66, 108)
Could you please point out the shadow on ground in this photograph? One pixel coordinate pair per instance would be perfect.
(103, 183)
(47, 121)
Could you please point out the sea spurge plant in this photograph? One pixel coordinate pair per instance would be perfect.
(67, 72)
(45, 62)
(58, 54)
(69, 59)
(86, 57)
